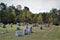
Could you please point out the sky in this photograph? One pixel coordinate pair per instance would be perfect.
(35, 6)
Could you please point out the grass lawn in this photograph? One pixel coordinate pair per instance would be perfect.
(51, 33)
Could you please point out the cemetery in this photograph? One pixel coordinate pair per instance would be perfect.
(29, 20)
(29, 33)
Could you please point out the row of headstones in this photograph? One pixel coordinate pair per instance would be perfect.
(26, 31)
(4, 26)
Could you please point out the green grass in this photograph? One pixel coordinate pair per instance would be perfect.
(51, 33)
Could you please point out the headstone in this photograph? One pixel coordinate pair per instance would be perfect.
(41, 27)
(17, 33)
(25, 31)
(4, 26)
(18, 24)
(30, 29)
(0, 24)
(11, 25)
(18, 28)
(4, 29)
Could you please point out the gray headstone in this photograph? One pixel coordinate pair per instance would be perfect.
(28, 30)
(25, 31)
(17, 33)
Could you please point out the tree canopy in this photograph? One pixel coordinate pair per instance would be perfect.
(13, 15)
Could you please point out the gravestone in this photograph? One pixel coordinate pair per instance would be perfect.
(18, 28)
(17, 33)
(28, 30)
(25, 31)
(0, 24)
(11, 25)
(31, 30)
(41, 27)
(4, 29)
(3, 25)
(18, 23)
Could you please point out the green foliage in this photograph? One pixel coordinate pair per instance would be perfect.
(44, 17)
(34, 19)
(12, 15)
(4, 6)
(40, 20)
(50, 19)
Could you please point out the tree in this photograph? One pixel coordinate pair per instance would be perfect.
(34, 19)
(26, 9)
(21, 18)
(50, 19)
(56, 21)
(3, 5)
(27, 14)
(40, 19)
(53, 10)
(13, 16)
(44, 16)
(5, 16)
(58, 15)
